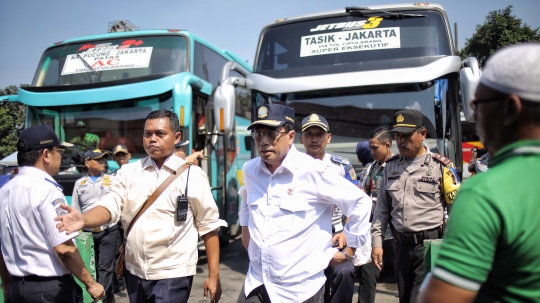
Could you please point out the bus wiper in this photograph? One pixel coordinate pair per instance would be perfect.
(355, 9)
(95, 74)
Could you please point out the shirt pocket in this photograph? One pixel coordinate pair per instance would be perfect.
(393, 189)
(291, 214)
(426, 194)
(254, 203)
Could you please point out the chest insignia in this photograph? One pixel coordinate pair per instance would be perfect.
(83, 182)
(430, 170)
(394, 173)
(393, 178)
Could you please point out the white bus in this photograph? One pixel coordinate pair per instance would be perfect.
(357, 66)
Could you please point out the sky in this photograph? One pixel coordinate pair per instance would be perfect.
(27, 27)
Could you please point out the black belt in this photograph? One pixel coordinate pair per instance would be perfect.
(35, 278)
(419, 237)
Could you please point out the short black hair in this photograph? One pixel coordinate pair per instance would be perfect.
(531, 111)
(382, 134)
(30, 157)
(163, 113)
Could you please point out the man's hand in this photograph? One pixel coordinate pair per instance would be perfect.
(70, 222)
(339, 257)
(340, 238)
(213, 285)
(377, 257)
(245, 236)
(96, 290)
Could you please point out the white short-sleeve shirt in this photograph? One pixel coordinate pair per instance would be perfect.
(28, 230)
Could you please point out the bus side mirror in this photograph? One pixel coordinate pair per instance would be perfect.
(225, 103)
(469, 77)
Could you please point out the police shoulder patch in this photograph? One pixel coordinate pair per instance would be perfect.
(445, 161)
(339, 159)
(392, 158)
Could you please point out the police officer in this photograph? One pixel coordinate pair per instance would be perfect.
(36, 260)
(87, 191)
(414, 189)
(339, 286)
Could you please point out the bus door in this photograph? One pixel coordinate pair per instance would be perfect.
(214, 146)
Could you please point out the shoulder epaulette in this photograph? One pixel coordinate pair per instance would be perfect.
(442, 159)
(339, 159)
(392, 158)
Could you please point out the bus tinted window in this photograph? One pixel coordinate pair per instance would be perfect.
(208, 64)
(111, 60)
(351, 39)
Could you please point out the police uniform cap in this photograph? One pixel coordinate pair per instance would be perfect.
(315, 120)
(120, 149)
(39, 137)
(407, 120)
(94, 154)
(273, 115)
(181, 144)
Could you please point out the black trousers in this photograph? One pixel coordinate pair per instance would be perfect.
(409, 267)
(260, 295)
(117, 282)
(339, 286)
(173, 290)
(36, 289)
(106, 244)
(368, 282)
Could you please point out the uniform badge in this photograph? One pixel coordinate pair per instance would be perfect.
(263, 112)
(314, 118)
(394, 173)
(400, 118)
(430, 170)
(352, 173)
(289, 191)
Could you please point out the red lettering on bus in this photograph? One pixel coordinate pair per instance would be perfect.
(87, 46)
(110, 61)
(98, 63)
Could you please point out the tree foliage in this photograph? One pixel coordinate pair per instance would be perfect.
(11, 122)
(500, 29)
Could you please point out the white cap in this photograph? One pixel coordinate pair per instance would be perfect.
(515, 70)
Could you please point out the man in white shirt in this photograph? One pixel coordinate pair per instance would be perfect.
(286, 214)
(339, 286)
(161, 249)
(37, 260)
(86, 192)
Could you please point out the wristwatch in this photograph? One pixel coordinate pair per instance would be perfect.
(349, 258)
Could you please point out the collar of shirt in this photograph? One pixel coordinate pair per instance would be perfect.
(172, 163)
(525, 147)
(35, 172)
(97, 178)
(288, 163)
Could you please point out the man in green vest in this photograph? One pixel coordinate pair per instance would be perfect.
(491, 251)
(85, 140)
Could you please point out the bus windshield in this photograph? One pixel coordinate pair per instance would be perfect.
(112, 60)
(103, 124)
(350, 43)
(353, 114)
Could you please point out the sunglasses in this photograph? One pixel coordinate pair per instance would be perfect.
(474, 103)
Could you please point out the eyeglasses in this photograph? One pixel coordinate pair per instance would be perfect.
(81, 127)
(474, 103)
(59, 150)
(272, 135)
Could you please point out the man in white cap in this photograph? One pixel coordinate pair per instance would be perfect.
(491, 250)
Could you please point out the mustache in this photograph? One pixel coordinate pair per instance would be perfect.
(402, 146)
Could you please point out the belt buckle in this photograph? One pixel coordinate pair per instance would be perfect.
(96, 229)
